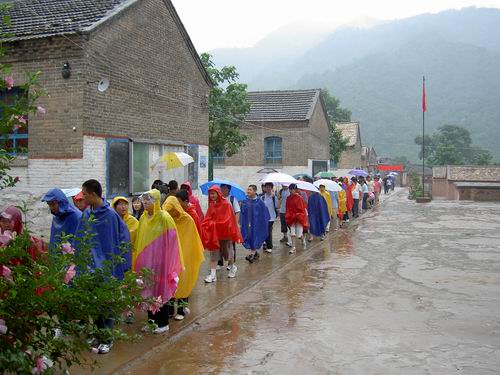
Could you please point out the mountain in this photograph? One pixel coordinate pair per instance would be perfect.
(377, 73)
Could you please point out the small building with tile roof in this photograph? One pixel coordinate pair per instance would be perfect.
(352, 156)
(124, 84)
(287, 131)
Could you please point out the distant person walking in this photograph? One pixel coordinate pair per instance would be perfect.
(254, 222)
(272, 204)
(283, 195)
(296, 217)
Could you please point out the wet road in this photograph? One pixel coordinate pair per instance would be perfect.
(409, 289)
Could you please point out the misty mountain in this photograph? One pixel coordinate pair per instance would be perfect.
(377, 73)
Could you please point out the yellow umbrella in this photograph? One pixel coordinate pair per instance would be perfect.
(172, 160)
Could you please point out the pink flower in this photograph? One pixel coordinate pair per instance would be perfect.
(9, 82)
(3, 327)
(67, 248)
(6, 237)
(94, 350)
(140, 282)
(22, 119)
(7, 273)
(155, 306)
(70, 273)
(40, 111)
(41, 366)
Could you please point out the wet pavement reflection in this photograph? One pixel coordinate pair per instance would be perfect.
(408, 289)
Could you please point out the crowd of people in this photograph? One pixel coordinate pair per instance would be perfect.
(168, 232)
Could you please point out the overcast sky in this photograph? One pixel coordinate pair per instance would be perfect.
(241, 23)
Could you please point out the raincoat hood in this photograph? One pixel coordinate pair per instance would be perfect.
(220, 198)
(116, 200)
(188, 187)
(173, 207)
(57, 195)
(15, 216)
(66, 221)
(156, 195)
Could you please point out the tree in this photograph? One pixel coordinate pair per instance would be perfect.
(336, 114)
(452, 145)
(227, 109)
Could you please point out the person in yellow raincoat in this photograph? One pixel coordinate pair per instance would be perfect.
(158, 249)
(120, 205)
(326, 195)
(192, 253)
(342, 205)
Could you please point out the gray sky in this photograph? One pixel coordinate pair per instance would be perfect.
(241, 23)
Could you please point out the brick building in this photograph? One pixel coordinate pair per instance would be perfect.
(351, 157)
(287, 130)
(156, 100)
(466, 182)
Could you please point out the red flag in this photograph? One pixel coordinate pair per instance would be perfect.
(424, 106)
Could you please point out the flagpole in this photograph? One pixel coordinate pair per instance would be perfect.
(423, 137)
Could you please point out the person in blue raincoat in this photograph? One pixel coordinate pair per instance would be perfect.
(254, 222)
(66, 216)
(111, 235)
(111, 238)
(318, 215)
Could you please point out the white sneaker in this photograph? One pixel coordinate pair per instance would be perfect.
(268, 250)
(178, 317)
(322, 238)
(160, 330)
(210, 279)
(289, 244)
(104, 348)
(304, 243)
(292, 250)
(187, 311)
(228, 268)
(232, 271)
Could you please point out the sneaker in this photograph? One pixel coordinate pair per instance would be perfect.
(289, 244)
(232, 272)
(322, 238)
(178, 317)
(160, 330)
(347, 221)
(210, 279)
(186, 311)
(228, 267)
(269, 251)
(249, 257)
(256, 256)
(264, 246)
(104, 348)
(292, 250)
(304, 243)
(310, 239)
(284, 239)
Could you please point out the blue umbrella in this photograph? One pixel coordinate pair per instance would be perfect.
(358, 172)
(236, 190)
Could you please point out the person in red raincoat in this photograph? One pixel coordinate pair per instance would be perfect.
(350, 199)
(219, 229)
(296, 216)
(192, 199)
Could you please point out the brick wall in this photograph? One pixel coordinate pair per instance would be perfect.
(52, 135)
(351, 158)
(156, 91)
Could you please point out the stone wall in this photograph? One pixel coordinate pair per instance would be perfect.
(485, 173)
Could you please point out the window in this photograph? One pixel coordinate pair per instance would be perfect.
(218, 159)
(140, 167)
(15, 143)
(273, 154)
(117, 171)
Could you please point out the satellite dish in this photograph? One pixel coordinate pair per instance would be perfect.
(103, 85)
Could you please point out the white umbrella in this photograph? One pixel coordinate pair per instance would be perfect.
(303, 185)
(279, 178)
(328, 184)
(71, 192)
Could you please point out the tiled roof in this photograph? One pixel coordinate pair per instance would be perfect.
(42, 18)
(296, 105)
(350, 130)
